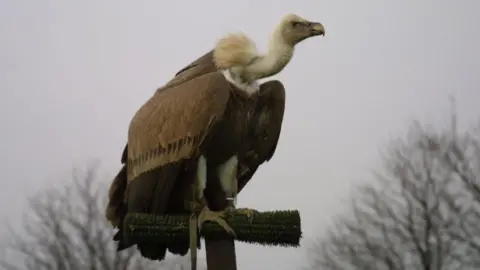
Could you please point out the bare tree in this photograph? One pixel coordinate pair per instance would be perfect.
(422, 211)
(65, 229)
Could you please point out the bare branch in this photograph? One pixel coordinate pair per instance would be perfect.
(421, 212)
(65, 229)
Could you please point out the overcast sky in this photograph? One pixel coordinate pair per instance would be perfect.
(73, 73)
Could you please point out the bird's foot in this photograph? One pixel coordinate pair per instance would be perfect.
(215, 216)
(194, 205)
(249, 213)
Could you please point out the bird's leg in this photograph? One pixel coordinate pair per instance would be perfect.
(227, 173)
(195, 204)
(205, 214)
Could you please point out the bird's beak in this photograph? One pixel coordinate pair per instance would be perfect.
(317, 29)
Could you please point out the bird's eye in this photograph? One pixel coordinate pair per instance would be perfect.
(295, 23)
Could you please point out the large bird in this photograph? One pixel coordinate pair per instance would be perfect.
(200, 138)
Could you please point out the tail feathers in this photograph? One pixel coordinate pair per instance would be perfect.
(181, 247)
(147, 250)
(116, 207)
(115, 213)
(152, 251)
(234, 50)
(121, 238)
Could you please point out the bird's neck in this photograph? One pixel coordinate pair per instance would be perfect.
(278, 56)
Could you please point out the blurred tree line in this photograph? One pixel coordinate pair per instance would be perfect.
(65, 229)
(420, 211)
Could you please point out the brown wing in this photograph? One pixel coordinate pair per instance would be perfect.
(172, 124)
(170, 128)
(117, 191)
(167, 130)
(266, 130)
(165, 133)
(262, 146)
(201, 66)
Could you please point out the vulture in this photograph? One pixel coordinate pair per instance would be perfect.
(200, 138)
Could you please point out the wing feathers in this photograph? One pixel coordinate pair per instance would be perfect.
(150, 193)
(266, 130)
(179, 114)
(165, 132)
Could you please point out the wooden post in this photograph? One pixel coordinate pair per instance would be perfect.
(221, 254)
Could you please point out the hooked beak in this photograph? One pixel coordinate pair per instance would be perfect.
(317, 29)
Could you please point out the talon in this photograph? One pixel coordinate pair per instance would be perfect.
(215, 216)
(230, 210)
(249, 213)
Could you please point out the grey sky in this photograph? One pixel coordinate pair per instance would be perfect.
(73, 73)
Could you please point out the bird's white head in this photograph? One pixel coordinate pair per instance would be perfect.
(238, 57)
(294, 29)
